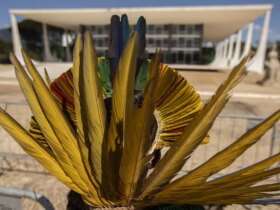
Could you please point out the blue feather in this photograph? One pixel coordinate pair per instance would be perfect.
(141, 30)
(115, 43)
(125, 30)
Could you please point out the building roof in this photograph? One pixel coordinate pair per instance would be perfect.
(219, 21)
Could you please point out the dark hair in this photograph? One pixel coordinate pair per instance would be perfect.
(75, 202)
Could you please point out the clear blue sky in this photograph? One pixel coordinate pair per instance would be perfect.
(5, 5)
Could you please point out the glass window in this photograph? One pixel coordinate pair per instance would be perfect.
(188, 58)
(158, 30)
(100, 30)
(181, 41)
(196, 57)
(165, 42)
(150, 27)
(197, 43)
(182, 27)
(190, 29)
(189, 43)
(158, 43)
(180, 57)
(174, 43)
(106, 40)
(150, 41)
(99, 42)
(198, 29)
(165, 57)
(173, 58)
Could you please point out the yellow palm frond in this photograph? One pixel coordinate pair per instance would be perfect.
(133, 160)
(177, 104)
(225, 157)
(77, 83)
(47, 77)
(102, 151)
(122, 107)
(202, 191)
(250, 170)
(62, 127)
(93, 106)
(35, 150)
(193, 135)
(52, 140)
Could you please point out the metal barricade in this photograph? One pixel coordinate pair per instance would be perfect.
(225, 130)
(10, 199)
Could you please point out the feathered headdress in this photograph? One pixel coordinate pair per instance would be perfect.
(102, 153)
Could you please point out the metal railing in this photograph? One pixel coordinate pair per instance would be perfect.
(225, 130)
(19, 194)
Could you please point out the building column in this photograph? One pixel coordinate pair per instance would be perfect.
(66, 45)
(257, 64)
(230, 51)
(217, 53)
(249, 40)
(46, 44)
(220, 52)
(225, 50)
(237, 51)
(16, 38)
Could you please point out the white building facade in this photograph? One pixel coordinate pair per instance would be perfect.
(178, 31)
